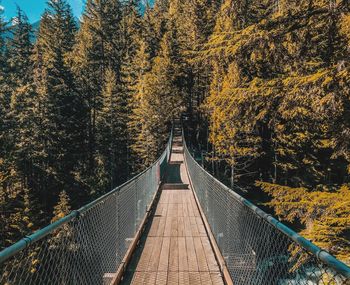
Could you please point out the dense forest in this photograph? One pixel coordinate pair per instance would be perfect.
(265, 86)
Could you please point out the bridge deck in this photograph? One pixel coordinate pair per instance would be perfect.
(176, 248)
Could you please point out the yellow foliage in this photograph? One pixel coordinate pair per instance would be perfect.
(325, 214)
(345, 26)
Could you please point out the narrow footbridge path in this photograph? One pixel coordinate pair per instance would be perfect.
(176, 249)
(174, 223)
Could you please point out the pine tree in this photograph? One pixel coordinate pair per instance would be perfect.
(160, 100)
(62, 207)
(3, 28)
(3, 207)
(112, 127)
(5, 142)
(136, 82)
(24, 132)
(4, 92)
(99, 45)
(6, 205)
(132, 26)
(26, 216)
(60, 110)
(21, 112)
(62, 236)
(21, 213)
(154, 22)
(20, 50)
(193, 22)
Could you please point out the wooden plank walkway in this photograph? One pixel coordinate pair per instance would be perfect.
(176, 249)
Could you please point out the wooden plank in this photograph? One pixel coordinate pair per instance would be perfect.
(190, 210)
(164, 255)
(184, 278)
(202, 261)
(191, 255)
(171, 197)
(187, 225)
(146, 254)
(173, 278)
(200, 226)
(165, 210)
(167, 196)
(154, 227)
(161, 227)
(174, 254)
(171, 210)
(138, 278)
(195, 207)
(159, 209)
(174, 227)
(176, 209)
(216, 278)
(164, 197)
(179, 196)
(182, 193)
(150, 278)
(177, 193)
(162, 278)
(209, 255)
(167, 229)
(155, 255)
(194, 228)
(184, 207)
(188, 196)
(205, 278)
(181, 226)
(195, 278)
(183, 262)
(175, 196)
(180, 210)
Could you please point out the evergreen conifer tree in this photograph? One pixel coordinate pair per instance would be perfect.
(160, 100)
(62, 207)
(99, 47)
(60, 109)
(112, 126)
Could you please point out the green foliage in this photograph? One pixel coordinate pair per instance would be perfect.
(21, 212)
(98, 52)
(20, 50)
(73, 103)
(60, 110)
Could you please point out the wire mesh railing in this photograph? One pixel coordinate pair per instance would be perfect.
(87, 246)
(258, 249)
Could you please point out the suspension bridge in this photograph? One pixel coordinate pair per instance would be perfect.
(174, 223)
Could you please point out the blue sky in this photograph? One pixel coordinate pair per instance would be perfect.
(34, 8)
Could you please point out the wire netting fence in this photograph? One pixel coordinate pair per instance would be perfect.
(87, 246)
(257, 248)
